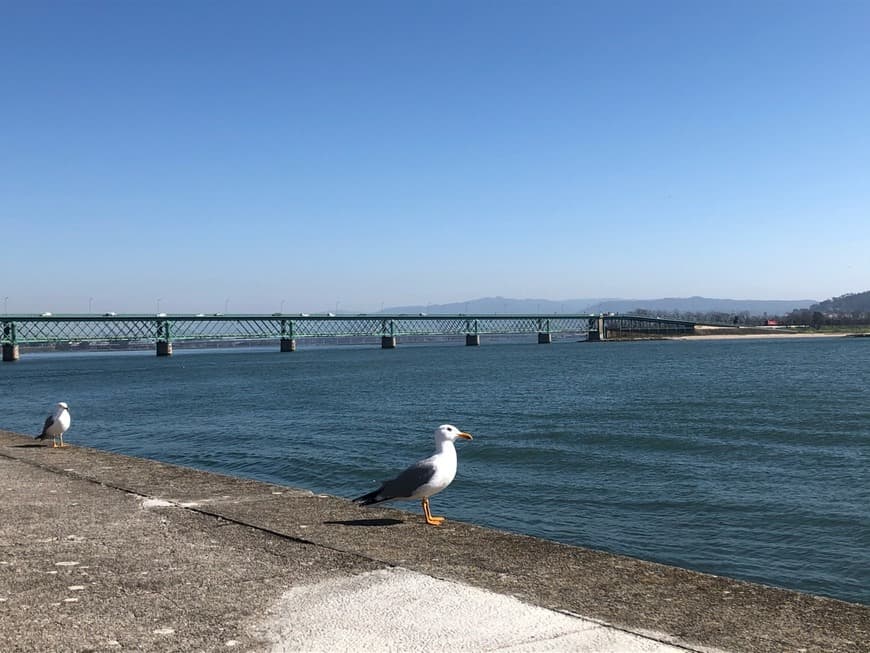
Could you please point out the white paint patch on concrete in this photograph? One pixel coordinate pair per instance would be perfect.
(157, 503)
(164, 631)
(76, 588)
(66, 563)
(71, 600)
(401, 610)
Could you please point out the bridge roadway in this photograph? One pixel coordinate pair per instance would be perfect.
(164, 329)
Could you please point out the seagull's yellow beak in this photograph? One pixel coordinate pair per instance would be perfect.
(465, 436)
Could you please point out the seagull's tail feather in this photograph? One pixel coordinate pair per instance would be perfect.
(370, 498)
(41, 436)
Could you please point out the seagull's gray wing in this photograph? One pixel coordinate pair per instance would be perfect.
(48, 422)
(406, 483)
(403, 486)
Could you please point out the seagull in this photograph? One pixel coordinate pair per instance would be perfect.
(56, 425)
(425, 477)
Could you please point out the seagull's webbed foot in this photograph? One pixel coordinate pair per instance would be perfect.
(431, 519)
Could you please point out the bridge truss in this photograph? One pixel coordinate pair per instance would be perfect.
(142, 329)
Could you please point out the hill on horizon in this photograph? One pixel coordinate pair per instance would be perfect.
(496, 305)
(845, 304)
(704, 305)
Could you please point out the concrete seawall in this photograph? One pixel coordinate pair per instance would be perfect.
(102, 552)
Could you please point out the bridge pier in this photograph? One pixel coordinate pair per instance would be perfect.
(288, 344)
(164, 338)
(602, 330)
(545, 338)
(10, 353)
(388, 342)
(472, 340)
(597, 332)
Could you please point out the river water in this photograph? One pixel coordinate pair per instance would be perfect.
(744, 458)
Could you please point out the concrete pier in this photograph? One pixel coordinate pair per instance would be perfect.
(104, 552)
(288, 344)
(388, 342)
(545, 338)
(472, 340)
(10, 353)
(164, 348)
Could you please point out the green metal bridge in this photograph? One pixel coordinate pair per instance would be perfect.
(161, 330)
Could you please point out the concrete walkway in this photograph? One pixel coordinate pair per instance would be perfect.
(102, 552)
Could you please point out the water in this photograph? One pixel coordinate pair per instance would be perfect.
(742, 458)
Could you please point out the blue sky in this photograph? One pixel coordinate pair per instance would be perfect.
(237, 155)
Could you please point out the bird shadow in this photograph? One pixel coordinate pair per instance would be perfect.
(365, 522)
(28, 446)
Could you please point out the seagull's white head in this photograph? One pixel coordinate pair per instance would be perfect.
(62, 405)
(449, 433)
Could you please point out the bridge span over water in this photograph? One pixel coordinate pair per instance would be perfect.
(161, 330)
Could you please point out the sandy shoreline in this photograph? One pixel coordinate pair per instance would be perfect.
(709, 334)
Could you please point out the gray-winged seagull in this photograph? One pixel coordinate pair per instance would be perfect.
(56, 425)
(425, 477)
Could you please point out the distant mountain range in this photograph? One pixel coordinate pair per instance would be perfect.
(665, 305)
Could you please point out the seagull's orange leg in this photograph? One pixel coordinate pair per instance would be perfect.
(62, 442)
(433, 521)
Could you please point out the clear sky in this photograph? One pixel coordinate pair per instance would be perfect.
(237, 155)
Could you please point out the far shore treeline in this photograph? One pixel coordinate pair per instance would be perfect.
(851, 309)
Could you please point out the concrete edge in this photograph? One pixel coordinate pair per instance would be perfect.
(696, 611)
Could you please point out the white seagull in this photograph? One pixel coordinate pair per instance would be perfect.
(56, 425)
(425, 477)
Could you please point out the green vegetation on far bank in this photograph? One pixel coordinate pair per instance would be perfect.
(845, 314)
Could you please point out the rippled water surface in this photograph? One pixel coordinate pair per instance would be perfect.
(741, 458)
